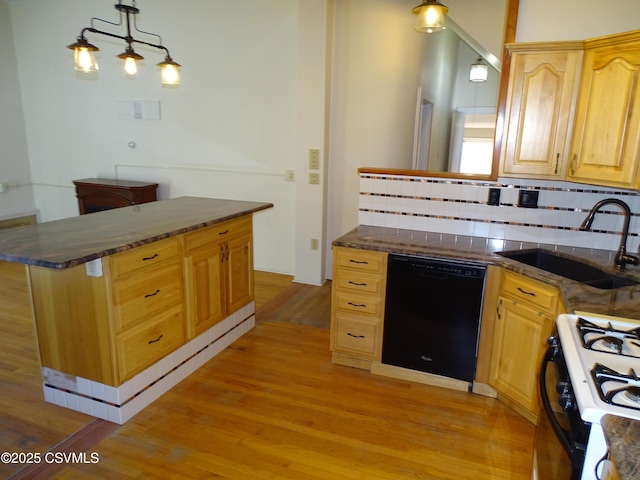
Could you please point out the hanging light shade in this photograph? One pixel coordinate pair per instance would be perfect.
(169, 71)
(479, 71)
(130, 58)
(83, 58)
(431, 15)
(83, 50)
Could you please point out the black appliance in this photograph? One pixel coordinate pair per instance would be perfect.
(432, 315)
(561, 435)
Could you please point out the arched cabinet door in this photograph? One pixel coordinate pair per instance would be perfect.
(606, 141)
(540, 103)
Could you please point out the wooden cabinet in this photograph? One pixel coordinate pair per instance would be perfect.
(609, 471)
(218, 273)
(97, 194)
(606, 141)
(145, 303)
(525, 317)
(357, 306)
(540, 101)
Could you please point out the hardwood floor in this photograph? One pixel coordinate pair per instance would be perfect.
(272, 405)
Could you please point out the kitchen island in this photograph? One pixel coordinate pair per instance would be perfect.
(128, 302)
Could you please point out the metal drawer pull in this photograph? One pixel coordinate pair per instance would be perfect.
(152, 294)
(150, 258)
(156, 340)
(223, 233)
(358, 284)
(526, 293)
(363, 262)
(355, 336)
(357, 304)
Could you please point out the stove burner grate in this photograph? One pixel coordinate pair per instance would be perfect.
(630, 388)
(607, 338)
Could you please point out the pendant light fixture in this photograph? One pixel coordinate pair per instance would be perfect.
(85, 61)
(479, 71)
(431, 15)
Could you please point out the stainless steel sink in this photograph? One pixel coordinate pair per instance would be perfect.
(569, 268)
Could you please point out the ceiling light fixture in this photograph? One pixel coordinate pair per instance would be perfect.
(431, 15)
(85, 61)
(479, 71)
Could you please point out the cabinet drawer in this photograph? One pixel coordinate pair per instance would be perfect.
(138, 297)
(356, 334)
(355, 281)
(530, 291)
(358, 303)
(205, 237)
(145, 257)
(363, 260)
(145, 344)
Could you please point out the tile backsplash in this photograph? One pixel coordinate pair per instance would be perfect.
(462, 207)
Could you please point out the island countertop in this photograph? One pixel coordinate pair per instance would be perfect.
(72, 241)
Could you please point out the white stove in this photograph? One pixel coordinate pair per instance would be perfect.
(602, 355)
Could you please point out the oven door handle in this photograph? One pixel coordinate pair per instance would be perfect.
(563, 435)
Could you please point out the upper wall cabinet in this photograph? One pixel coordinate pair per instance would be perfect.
(542, 85)
(551, 134)
(606, 137)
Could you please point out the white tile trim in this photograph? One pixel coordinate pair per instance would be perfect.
(119, 404)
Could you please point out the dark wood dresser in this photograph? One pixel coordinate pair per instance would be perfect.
(97, 194)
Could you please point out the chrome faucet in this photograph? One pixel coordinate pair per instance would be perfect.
(621, 258)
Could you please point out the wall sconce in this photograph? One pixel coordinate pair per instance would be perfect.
(479, 71)
(430, 16)
(84, 59)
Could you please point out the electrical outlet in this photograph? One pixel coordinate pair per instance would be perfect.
(528, 198)
(494, 196)
(314, 179)
(314, 159)
(289, 175)
(314, 244)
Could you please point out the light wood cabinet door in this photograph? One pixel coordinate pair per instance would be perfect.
(527, 309)
(606, 142)
(218, 266)
(204, 289)
(520, 338)
(239, 272)
(540, 102)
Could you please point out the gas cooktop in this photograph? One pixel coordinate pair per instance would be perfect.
(603, 358)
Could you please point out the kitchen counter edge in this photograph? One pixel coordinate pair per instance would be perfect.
(65, 243)
(619, 302)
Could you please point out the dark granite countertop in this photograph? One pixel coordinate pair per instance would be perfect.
(622, 436)
(72, 241)
(620, 302)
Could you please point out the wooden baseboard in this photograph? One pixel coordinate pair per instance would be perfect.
(348, 361)
(484, 389)
(533, 418)
(392, 371)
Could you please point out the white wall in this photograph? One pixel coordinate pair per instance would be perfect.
(253, 100)
(17, 197)
(540, 20)
(230, 130)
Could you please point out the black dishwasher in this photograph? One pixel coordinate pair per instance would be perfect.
(432, 315)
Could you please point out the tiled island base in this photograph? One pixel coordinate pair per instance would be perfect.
(119, 404)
